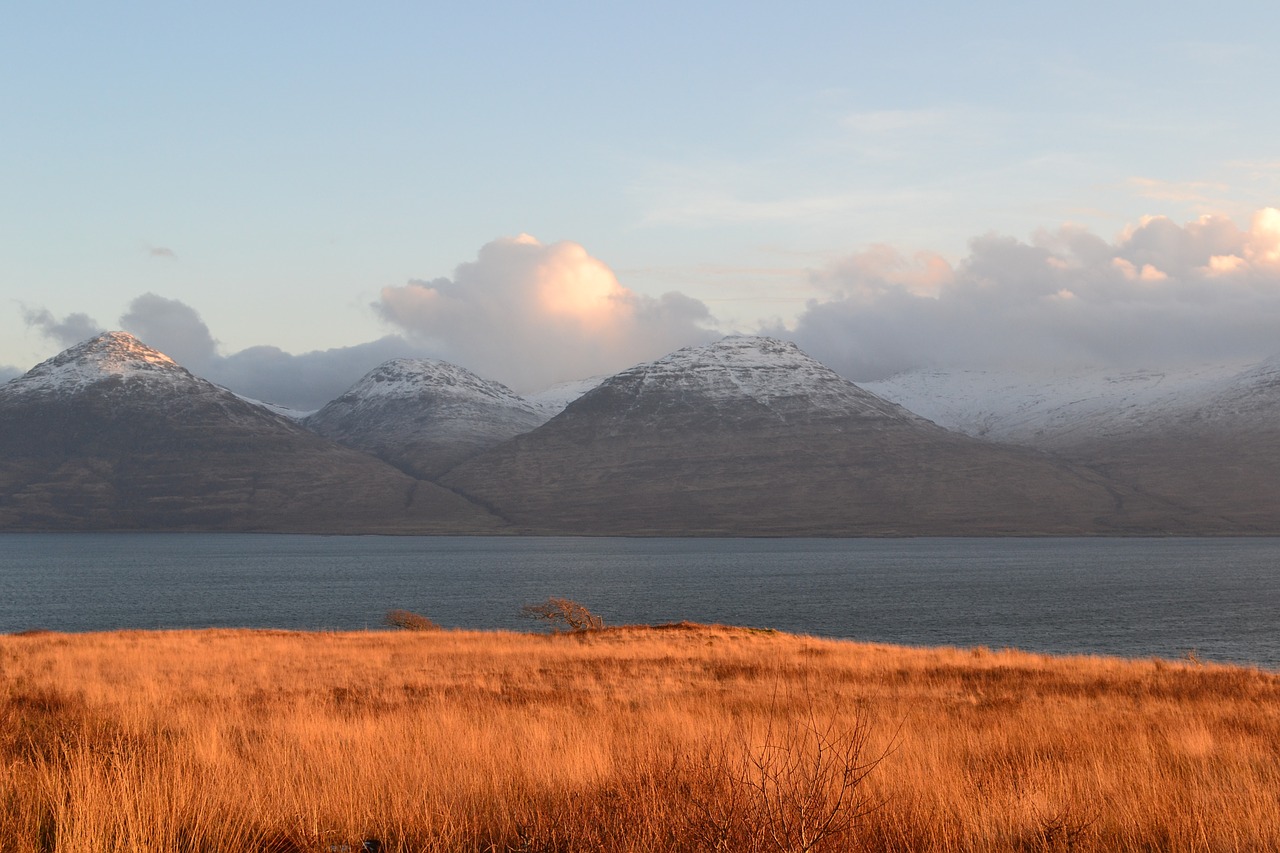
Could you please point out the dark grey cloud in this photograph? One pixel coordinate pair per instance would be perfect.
(1160, 294)
(162, 252)
(306, 381)
(173, 327)
(66, 332)
(309, 380)
(7, 373)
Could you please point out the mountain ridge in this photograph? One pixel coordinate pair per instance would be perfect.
(744, 436)
(771, 442)
(112, 434)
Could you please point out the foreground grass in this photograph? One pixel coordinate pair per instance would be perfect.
(683, 738)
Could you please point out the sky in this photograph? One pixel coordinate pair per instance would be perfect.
(282, 195)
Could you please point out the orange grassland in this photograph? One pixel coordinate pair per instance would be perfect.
(631, 739)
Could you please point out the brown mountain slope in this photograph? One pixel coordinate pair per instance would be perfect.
(114, 435)
(749, 436)
(1216, 457)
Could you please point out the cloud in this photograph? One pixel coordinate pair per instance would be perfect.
(530, 315)
(1159, 294)
(69, 331)
(172, 327)
(306, 381)
(523, 313)
(7, 373)
(162, 252)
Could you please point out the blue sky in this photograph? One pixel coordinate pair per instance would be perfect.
(285, 170)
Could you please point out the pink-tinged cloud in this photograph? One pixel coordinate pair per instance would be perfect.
(1159, 294)
(531, 315)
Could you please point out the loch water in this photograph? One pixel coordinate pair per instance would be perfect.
(1134, 597)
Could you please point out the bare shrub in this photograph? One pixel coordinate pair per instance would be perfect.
(409, 621)
(562, 612)
(799, 790)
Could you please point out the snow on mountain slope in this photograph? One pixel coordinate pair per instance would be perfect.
(741, 375)
(278, 409)
(425, 415)
(115, 358)
(1057, 409)
(1248, 400)
(552, 401)
(119, 369)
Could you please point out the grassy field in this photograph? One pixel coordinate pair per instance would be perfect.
(630, 739)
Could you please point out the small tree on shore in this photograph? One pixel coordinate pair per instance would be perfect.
(407, 620)
(563, 612)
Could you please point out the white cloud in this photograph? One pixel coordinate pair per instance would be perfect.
(530, 315)
(1160, 293)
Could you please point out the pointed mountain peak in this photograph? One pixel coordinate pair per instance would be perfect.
(109, 356)
(115, 351)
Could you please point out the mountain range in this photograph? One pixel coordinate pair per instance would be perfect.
(113, 435)
(745, 436)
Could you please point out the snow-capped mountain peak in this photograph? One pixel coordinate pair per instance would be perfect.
(111, 356)
(410, 378)
(423, 415)
(769, 374)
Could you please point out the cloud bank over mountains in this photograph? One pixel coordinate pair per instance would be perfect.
(306, 381)
(530, 314)
(1159, 294)
(522, 313)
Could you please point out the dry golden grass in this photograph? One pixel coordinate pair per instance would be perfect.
(681, 738)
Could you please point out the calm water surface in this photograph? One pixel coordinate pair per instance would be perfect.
(1131, 597)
